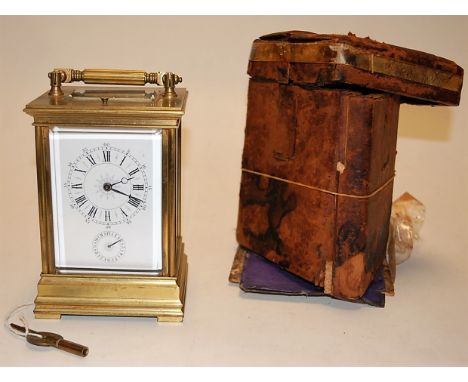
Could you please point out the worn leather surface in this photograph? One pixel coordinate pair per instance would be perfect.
(321, 74)
(328, 123)
(372, 46)
(302, 134)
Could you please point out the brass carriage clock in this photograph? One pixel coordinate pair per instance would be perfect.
(108, 172)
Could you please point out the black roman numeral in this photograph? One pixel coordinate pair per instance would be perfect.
(106, 155)
(77, 169)
(125, 157)
(107, 216)
(123, 212)
(92, 212)
(77, 185)
(133, 171)
(81, 200)
(91, 159)
(138, 187)
(135, 202)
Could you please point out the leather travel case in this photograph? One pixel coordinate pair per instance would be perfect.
(319, 153)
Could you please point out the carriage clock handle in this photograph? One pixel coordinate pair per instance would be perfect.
(113, 77)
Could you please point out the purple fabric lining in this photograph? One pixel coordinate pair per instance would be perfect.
(262, 276)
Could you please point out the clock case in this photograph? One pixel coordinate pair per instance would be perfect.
(102, 107)
(319, 152)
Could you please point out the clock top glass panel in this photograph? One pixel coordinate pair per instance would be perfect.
(107, 199)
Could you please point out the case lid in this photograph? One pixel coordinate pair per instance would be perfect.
(308, 58)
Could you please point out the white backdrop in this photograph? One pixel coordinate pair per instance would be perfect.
(424, 324)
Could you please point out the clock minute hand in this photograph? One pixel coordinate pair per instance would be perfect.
(119, 192)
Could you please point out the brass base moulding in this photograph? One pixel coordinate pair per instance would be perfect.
(113, 295)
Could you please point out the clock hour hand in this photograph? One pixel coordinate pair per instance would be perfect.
(122, 181)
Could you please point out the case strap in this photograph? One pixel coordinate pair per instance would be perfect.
(322, 189)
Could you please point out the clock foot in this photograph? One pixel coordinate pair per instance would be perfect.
(170, 319)
(50, 316)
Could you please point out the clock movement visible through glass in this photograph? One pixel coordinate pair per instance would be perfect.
(107, 198)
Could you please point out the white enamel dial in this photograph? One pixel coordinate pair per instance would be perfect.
(107, 199)
(107, 185)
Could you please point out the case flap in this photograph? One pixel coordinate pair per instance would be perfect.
(326, 59)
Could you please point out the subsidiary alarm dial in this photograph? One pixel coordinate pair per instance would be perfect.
(109, 247)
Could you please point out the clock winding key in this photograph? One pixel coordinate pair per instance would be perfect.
(52, 339)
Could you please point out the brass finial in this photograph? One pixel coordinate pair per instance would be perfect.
(56, 78)
(170, 80)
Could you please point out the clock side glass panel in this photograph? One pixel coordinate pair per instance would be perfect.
(107, 199)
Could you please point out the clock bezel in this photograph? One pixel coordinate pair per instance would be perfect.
(168, 205)
(61, 199)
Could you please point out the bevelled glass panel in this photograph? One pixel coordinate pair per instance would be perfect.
(107, 199)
